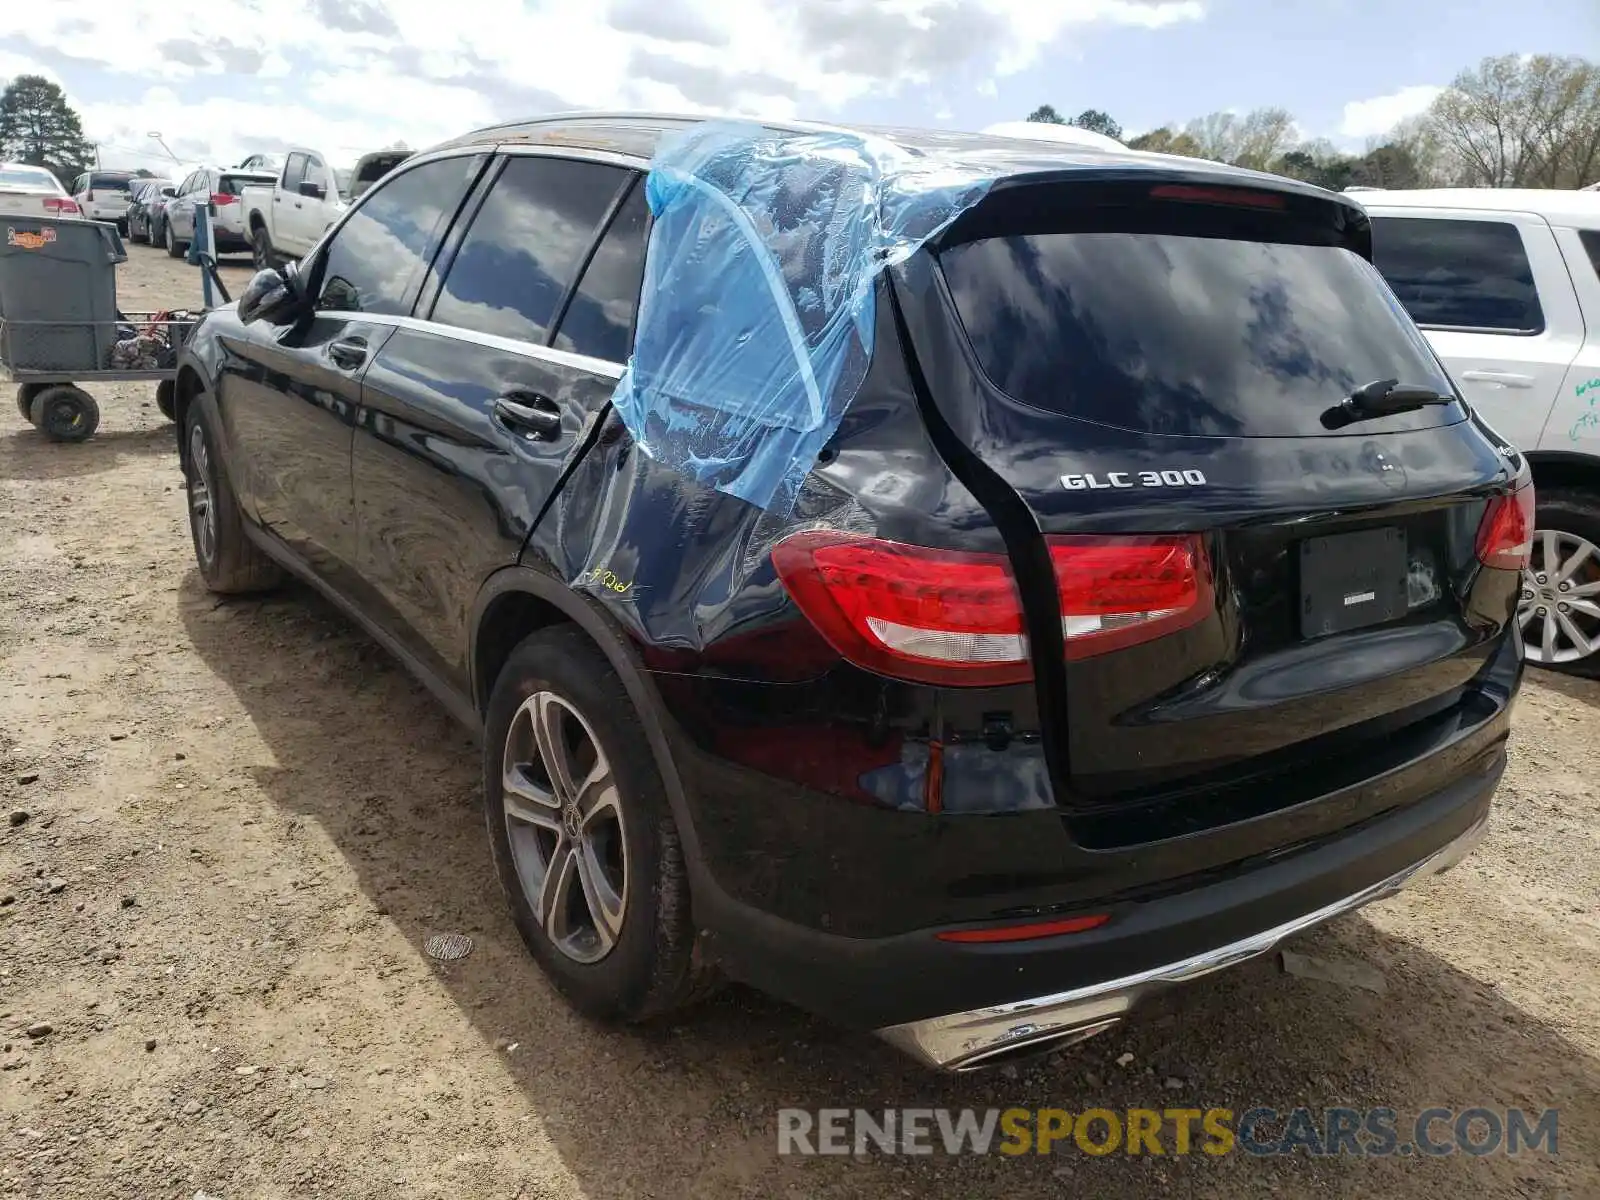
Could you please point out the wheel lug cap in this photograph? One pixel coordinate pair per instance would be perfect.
(1563, 586)
(1561, 608)
(1544, 579)
(1541, 610)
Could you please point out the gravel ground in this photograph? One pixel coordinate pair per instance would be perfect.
(243, 822)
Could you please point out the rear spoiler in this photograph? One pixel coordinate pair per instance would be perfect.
(1164, 199)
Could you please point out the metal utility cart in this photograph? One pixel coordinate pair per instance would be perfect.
(60, 326)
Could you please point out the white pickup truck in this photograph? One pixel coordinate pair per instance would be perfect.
(1505, 284)
(286, 218)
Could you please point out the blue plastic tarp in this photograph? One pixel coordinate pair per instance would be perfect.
(756, 321)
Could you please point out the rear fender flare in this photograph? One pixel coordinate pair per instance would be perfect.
(607, 635)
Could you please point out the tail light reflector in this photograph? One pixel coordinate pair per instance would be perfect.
(1505, 535)
(223, 198)
(1022, 933)
(60, 204)
(953, 617)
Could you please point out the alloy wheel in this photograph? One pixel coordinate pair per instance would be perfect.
(1559, 609)
(564, 821)
(202, 508)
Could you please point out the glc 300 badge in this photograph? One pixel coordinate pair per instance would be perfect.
(1134, 479)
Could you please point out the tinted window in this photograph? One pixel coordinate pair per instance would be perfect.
(294, 172)
(1458, 274)
(1591, 243)
(1185, 335)
(599, 321)
(109, 183)
(376, 260)
(525, 245)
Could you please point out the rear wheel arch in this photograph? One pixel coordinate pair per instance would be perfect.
(517, 601)
(1565, 471)
(187, 386)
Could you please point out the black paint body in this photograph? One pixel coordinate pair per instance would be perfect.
(1208, 784)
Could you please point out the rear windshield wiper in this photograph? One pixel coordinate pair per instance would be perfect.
(1381, 398)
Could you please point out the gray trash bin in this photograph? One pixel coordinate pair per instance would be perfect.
(58, 293)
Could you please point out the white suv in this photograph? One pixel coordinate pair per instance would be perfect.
(1506, 286)
(105, 196)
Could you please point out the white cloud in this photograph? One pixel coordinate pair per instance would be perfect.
(345, 75)
(1377, 116)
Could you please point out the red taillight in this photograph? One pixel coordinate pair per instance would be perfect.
(1022, 933)
(955, 618)
(60, 204)
(1505, 535)
(1116, 591)
(223, 198)
(1236, 197)
(935, 616)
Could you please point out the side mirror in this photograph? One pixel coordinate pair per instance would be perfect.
(315, 190)
(169, 191)
(271, 296)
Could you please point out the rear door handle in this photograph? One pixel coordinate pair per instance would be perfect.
(348, 353)
(1504, 378)
(529, 413)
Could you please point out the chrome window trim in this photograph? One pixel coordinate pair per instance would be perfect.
(491, 341)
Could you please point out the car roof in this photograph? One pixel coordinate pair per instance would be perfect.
(635, 135)
(1563, 207)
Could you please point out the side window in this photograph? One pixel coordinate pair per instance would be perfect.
(376, 260)
(1591, 242)
(525, 245)
(294, 172)
(315, 172)
(1457, 274)
(599, 321)
(78, 184)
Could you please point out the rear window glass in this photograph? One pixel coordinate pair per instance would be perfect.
(110, 183)
(234, 185)
(22, 177)
(1459, 274)
(1186, 335)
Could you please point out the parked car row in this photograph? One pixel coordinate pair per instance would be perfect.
(273, 206)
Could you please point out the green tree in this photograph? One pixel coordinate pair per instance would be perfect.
(1098, 122)
(1166, 140)
(1047, 114)
(39, 127)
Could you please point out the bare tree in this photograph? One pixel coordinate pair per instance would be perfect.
(1256, 140)
(1521, 122)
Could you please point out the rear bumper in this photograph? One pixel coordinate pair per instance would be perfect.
(954, 1004)
(967, 1040)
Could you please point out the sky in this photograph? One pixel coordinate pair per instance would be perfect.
(224, 78)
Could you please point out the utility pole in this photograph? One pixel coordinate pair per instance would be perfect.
(97, 155)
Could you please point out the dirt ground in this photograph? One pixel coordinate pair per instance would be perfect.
(243, 822)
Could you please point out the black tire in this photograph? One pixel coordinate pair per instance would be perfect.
(229, 562)
(1577, 512)
(261, 251)
(122, 228)
(64, 413)
(175, 248)
(25, 396)
(652, 967)
(167, 399)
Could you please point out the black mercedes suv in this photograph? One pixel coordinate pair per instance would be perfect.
(1152, 601)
